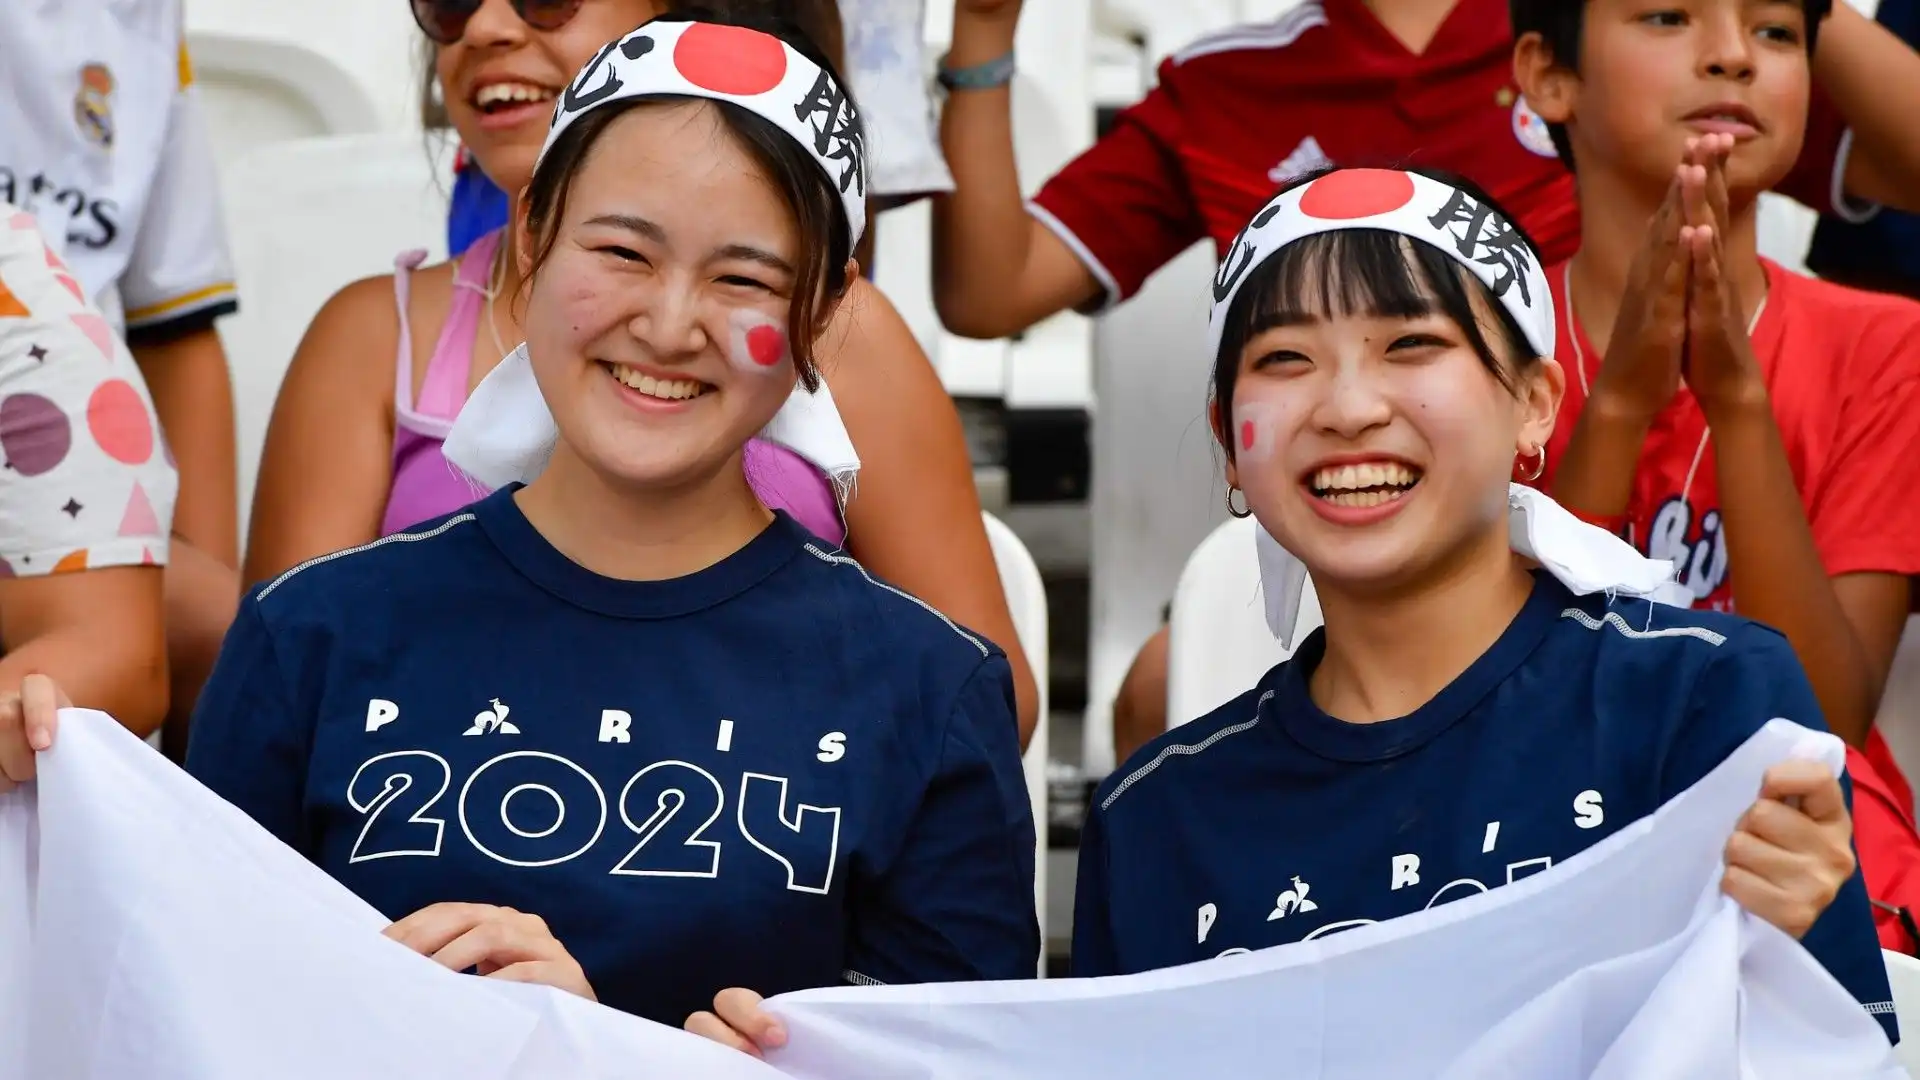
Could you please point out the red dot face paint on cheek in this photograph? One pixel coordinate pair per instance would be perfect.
(766, 345)
(758, 343)
(1246, 434)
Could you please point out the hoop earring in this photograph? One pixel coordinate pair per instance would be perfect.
(1243, 510)
(1538, 468)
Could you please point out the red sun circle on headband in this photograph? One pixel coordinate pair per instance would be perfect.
(1356, 193)
(767, 345)
(730, 59)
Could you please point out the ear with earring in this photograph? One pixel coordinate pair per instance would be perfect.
(1539, 456)
(1240, 511)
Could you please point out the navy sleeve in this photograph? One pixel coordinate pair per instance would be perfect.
(1753, 677)
(957, 902)
(249, 741)
(1093, 949)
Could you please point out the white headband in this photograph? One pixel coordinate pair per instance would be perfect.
(751, 69)
(1585, 558)
(1473, 233)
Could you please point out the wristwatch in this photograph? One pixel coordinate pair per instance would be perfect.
(991, 75)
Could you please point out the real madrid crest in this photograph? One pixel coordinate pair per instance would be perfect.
(93, 105)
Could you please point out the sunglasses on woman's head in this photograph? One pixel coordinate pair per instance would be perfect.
(445, 21)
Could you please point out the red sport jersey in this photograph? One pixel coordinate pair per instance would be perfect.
(1238, 113)
(1842, 369)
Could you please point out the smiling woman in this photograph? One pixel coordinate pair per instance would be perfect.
(1495, 688)
(612, 284)
(354, 448)
(735, 757)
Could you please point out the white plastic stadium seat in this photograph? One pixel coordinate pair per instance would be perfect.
(1050, 367)
(1220, 645)
(258, 90)
(1027, 600)
(373, 42)
(305, 218)
(1903, 973)
(1156, 476)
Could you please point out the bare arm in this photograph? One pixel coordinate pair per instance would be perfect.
(1637, 378)
(327, 466)
(1873, 79)
(915, 517)
(996, 271)
(1595, 473)
(1847, 644)
(99, 634)
(193, 393)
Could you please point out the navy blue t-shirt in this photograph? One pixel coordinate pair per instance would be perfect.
(775, 773)
(1268, 822)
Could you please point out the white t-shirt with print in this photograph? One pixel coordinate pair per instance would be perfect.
(103, 140)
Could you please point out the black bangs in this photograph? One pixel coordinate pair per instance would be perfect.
(1364, 273)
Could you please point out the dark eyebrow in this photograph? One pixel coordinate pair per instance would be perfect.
(653, 232)
(748, 253)
(1280, 320)
(632, 224)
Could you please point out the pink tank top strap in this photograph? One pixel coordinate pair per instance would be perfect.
(404, 264)
(444, 390)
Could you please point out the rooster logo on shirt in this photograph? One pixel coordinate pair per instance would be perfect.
(93, 105)
(1293, 900)
(492, 722)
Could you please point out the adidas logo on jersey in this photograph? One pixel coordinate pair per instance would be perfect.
(1305, 158)
(492, 721)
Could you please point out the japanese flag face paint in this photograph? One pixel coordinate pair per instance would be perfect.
(1256, 433)
(757, 344)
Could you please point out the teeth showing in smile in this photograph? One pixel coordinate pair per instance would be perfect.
(664, 389)
(504, 94)
(1367, 484)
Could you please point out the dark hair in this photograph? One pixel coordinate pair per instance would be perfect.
(818, 212)
(1365, 272)
(1560, 24)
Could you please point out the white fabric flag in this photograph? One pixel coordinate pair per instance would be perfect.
(150, 932)
(1626, 962)
(887, 66)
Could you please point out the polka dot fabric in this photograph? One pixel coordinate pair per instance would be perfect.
(85, 479)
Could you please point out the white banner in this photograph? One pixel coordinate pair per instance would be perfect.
(150, 932)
